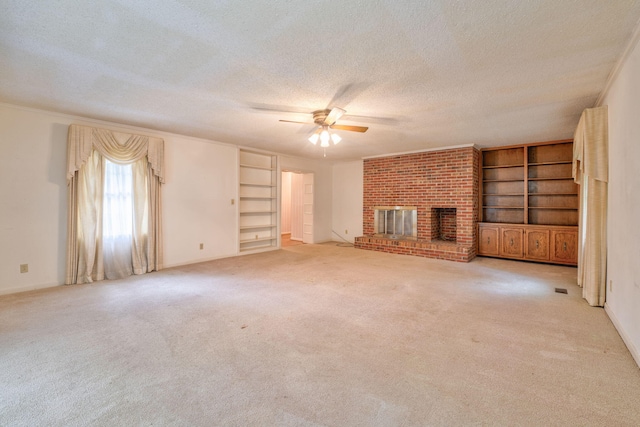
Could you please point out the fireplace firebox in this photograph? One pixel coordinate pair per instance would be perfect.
(443, 224)
(396, 222)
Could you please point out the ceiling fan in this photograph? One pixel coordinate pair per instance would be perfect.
(326, 119)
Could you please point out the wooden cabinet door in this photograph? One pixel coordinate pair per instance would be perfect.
(537, 244)
(564, 246)
(488, 240)
(511, 239)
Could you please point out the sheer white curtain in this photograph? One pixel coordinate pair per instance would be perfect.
(114, 217)
(117, 220)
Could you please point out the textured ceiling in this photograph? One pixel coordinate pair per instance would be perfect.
(420, 74)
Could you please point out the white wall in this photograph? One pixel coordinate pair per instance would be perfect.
(201, 180)
(32, 199)
(623, 266)
(322, 172)
(347, 200)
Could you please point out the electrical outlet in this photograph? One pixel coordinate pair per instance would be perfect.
(346, 231)
(24, 268)
(233, 201)
(256, 237)
(201, 246)
(611, 285)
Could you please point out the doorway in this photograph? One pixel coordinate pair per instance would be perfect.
(296, 219)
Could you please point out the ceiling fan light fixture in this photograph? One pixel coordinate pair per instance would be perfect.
(324, 137)
(326, 122)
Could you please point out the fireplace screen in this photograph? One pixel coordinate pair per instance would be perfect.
(396, 222)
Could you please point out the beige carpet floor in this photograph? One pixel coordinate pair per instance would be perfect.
(317, 335)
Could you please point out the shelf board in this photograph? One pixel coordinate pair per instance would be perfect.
(256, 212)
(554, 194)
(558, 208)
(560, 162)
(503, 166)
(255, 184)
(256, 167)
(260, 239)
(258, 248)
(503, 180)
(563, 178)
(503, 194)
(256, 198)
(255, 227)
(503, 207)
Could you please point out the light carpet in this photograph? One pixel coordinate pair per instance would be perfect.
(317, 335)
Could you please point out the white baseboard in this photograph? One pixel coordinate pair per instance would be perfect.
(196, 261)
(632, 349)
(26, 288)
(30, 287)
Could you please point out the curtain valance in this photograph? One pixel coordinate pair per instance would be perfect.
(83, 139)
(590, 146)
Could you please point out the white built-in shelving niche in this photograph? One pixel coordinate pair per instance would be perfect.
(258, 207)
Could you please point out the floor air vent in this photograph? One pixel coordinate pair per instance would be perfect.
(561, 291)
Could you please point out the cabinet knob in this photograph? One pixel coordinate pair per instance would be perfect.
(511, 242)
(537, 244)
(488, 240)
(564, 246)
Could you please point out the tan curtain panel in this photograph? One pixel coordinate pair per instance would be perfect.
(590, 170)
(87, 147)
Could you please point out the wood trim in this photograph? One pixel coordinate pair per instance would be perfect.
(480, 189)
(526, 184)
(559, 141)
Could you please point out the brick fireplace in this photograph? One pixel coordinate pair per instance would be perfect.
(442, 185)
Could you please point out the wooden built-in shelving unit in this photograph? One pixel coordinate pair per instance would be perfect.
(529, 203)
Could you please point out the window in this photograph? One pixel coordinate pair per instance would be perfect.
(117, 201)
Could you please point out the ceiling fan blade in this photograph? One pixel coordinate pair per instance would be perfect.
(292, 121)
(347, 93)
(350, 128)
(334, 115)
(278, 108)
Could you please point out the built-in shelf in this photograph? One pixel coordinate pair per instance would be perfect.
(529, 203)
(258, 206)
(502, 166)
(259, 239)
(268, 168)
(256, 227)
(553, 194)
(256, 212)
(255, 184)
(563, 162)
(256, 198)
(564, 208)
